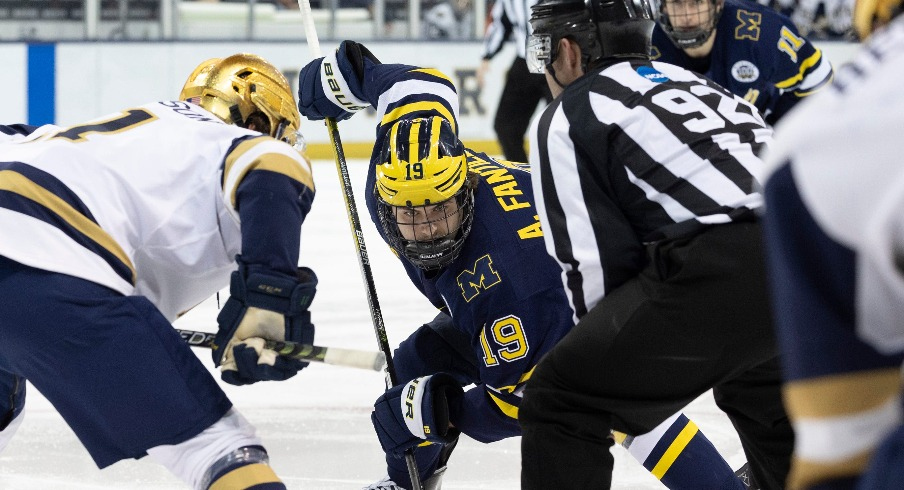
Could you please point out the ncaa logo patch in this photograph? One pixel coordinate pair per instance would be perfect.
(745, 71)
(651, 74)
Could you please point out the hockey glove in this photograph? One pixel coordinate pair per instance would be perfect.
(263, 307)
(333, 86)
(407, 415)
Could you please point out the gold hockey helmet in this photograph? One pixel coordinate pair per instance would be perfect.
(239, 86)
(870, 14)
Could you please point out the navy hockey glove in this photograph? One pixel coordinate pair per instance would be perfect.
(263, 307)
(333, 86)
(407, 415)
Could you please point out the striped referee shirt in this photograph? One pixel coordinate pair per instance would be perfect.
(509, 18)
(634, 152)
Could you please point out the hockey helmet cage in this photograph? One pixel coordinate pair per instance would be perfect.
(602, 29)
(423, 163)
(238, 86)
(871, 14)
(691, 38)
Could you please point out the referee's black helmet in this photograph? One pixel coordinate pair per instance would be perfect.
(602, 29)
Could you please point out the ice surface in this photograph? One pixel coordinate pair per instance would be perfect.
(316, 426)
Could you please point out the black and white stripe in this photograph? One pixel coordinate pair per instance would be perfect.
(621, 160)
(509, 18)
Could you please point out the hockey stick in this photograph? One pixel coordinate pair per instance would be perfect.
(361, 359)
(376, 314)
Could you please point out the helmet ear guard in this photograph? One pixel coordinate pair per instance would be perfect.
(239, 86)
(422, 166)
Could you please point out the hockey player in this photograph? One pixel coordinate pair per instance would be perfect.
(748, 48)
(835, 232)
(644, 177)
(114, 227)
(465, 228)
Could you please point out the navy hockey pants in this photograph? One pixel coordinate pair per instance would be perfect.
(112, 365)
(696, 317)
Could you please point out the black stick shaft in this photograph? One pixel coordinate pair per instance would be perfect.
(376, 314)
(303, 352)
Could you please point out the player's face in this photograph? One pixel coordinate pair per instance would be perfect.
(689, 14)
(428, 223)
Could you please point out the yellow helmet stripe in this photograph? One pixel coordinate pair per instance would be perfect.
(434, 139)
(414, 132)
(393, 140)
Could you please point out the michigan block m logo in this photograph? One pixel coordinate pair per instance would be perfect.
(481, 277)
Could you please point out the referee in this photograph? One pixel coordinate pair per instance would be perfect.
(645, 176)
(523, 90)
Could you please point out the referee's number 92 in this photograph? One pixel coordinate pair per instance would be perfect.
(711, 116)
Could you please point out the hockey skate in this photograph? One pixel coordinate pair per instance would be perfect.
(432, 483)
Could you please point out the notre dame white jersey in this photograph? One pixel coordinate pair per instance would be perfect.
(834, 223)
(845, 156)
(142, 202)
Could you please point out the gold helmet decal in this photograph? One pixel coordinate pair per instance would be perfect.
(235, 87)
(870, 14)
(422, 162)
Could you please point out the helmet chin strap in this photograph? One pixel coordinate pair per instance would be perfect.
(280, 129)
(236, 116)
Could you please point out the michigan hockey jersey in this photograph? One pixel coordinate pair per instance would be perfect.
(758, 54)
(504, 310)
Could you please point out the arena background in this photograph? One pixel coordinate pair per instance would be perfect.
(69, 82)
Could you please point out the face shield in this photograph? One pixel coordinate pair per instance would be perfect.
(539, 53)
(291, 136)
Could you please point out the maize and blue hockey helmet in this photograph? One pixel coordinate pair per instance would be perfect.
(425, 199)
(245, 88)
(702, 17)
(602, 29)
